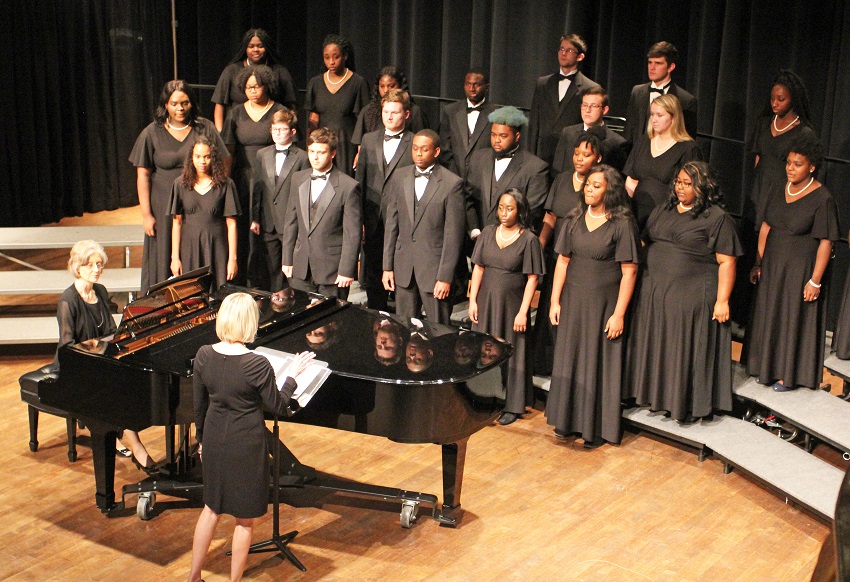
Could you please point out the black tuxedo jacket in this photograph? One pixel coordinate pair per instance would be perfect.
(526, 172)
(615, 149)
(637, 115)
(548, 116)
(271, 194)
(373, 172)
(430, 239)
(455, 142)
(330, 244)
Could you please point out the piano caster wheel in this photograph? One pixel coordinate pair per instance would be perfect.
(408, 517)
(144, 507)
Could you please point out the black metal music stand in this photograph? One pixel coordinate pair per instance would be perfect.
(277, 542)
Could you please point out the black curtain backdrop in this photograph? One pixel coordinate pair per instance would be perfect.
(83, 76)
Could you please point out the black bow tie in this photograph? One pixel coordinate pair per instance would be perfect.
(476, 108)
(503, 155)
(388, 137)
(320, 176)
(284, 151)
(562, 77)
(659, 89)
(426, 175)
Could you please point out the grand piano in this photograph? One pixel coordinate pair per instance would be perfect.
(406, 380)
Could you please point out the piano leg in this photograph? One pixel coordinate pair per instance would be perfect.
(454, 457)
(103, 456)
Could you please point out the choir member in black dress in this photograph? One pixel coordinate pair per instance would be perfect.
(508, 262)
(785, 118)
(591, 290)
(158, 155)
(657, 156)
(335, 98)
(232, 385)
(556, 103)
(256, 49)
(390, 77)
(841, 335)
(247, 130)
(272, 179)
(594, 107)
(565, 195)
(660, 64)
(204, 206)
(795, 243)
(84, 316)
(680, 345)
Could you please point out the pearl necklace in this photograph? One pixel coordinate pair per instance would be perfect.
(577, 180)
(658, 150)
(787, 127)
(591, 215)
(788, 188)
(686, 208)
(168, 122)
(510, 238)
(344, 75)
(204, 186)
(263, 110)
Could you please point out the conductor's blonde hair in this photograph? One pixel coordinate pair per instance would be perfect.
(237, 318)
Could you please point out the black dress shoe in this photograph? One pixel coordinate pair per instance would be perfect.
(507, 418)
(561, 434)
(151, 469)
(594, 444)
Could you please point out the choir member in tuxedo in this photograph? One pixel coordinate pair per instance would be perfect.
(335, 98)
(464, 126)
(660, 63)
(382, 153)
(594, 105)
(557, 103)
(256, 49)
(276, 164)
(370, 118)
(424, 232)
(505, 165)
(321, 238)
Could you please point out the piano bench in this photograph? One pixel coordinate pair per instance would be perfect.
(30, 384)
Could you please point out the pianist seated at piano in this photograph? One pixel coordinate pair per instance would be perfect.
(231, 387)
(83, 315)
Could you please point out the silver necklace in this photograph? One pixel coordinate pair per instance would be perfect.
(168, 122)
(788, 188)
(344, 75)
(591, 215)
(787, 127)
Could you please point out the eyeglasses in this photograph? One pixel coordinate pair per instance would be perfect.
(678, 182)
(281, 129)
(567, 50)
(253, 88)
(590, 106)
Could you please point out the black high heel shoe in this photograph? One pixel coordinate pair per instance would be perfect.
(151, 469)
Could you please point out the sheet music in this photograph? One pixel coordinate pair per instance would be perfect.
(309, 381)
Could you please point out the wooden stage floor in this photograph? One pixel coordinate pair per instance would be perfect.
(536, 508)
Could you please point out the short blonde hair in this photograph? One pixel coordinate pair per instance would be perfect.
(81, 252)
(671, 104)
(237, 318)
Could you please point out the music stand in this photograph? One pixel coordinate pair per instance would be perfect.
(277, 542)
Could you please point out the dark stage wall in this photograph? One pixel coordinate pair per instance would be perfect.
(82, 76)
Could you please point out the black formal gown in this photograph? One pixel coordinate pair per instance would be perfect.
(247, 137)
(788, 334)
(499, 300)
(841, 335)
(229, 93)
(338, 112)
(230, 392)
(680, 359)
(562, 198)
(203, 238)
(588, 374)
(162, 154)
(770, 172)
(655, 174)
